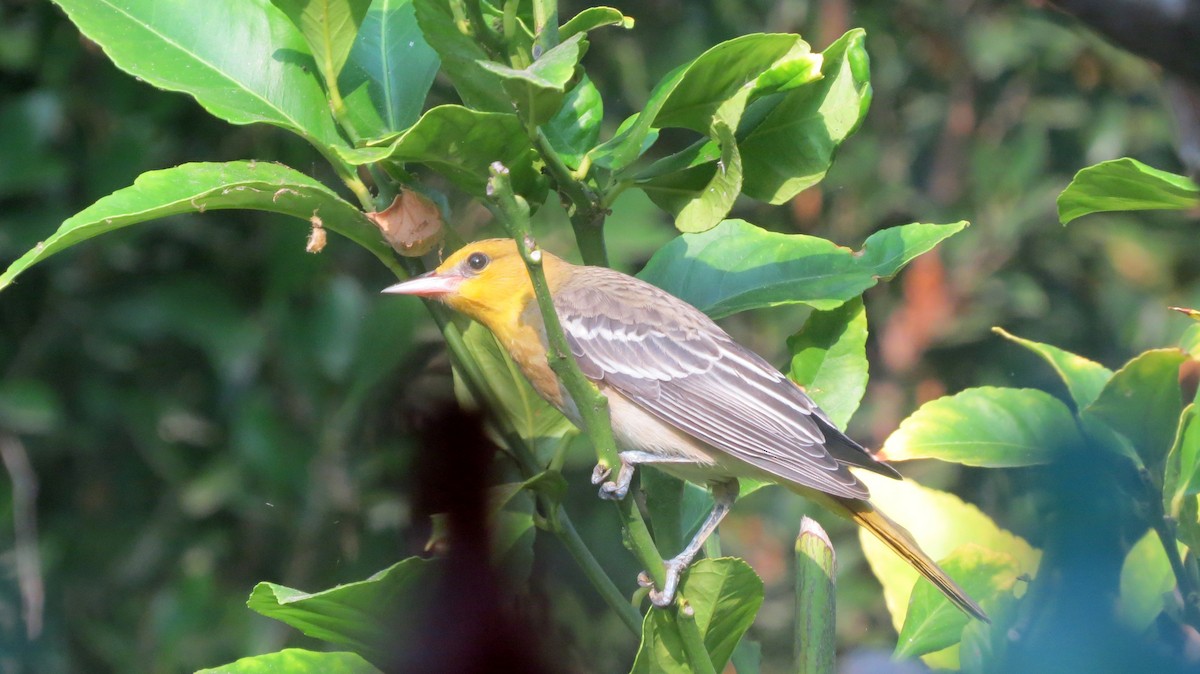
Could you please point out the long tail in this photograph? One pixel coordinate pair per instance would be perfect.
(902, 543)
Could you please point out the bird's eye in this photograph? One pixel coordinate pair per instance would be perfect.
(478, 261)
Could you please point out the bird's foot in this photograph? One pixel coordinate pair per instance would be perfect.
(613, 490)
(666, 596)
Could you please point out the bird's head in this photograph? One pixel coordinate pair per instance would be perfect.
(486, 280)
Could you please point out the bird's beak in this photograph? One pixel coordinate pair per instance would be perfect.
(431, 285)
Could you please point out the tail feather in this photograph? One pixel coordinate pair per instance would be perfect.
(902, 543)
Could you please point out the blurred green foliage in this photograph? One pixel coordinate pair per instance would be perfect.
(205, 405)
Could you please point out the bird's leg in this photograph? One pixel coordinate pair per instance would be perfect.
(615, 490)
(724, 494)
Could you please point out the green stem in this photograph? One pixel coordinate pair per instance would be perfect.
(693, 642)
(815, 606)
(586, 212)
(483, 32)
(570, 538)
(545, 24)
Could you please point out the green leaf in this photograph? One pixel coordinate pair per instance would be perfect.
(209, 186)
(355, 614)
(593, 18)
(941, 523)
(1190, 341)
(829, 359)
(461, 144)
(1181, 478)
(984, 645)
(329, 27)
(788, 144)
(714, 86)
(932, 623)
(576, 127)
(700, 197)
(1084, 378)
(1125, 185)
(725, 595)
(241, 59)
(538, 90)
(1143, 402)
(737, 266)
(1146, 576)
(720, 74)
(986, 426)
(531, 417)
(389, 71)
(462, 57)
(676, 509)
(297, 661)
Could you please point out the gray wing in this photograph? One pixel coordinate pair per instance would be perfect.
(674, 362)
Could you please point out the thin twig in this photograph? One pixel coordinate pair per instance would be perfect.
(29, 564)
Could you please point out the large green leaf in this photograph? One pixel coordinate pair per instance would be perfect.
(1084, 378)
(725, 595)
(941, 523)
(461, 144)
(714, 86)
(932, 623)
(1142, 402)
(538, 90)
(462, 57)
(788, 142)
(243, 60)
(987, 426)
(389, 71)
(1146, 576)
(210, 186)
(329, 27)
(297, 661)
(737, 266)
(355, 614)
(829, 359)
(1125, 185)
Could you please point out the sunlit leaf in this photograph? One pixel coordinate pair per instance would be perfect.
(788, 144)
(462, 57)
(986, 426)
(297, 661)
(737, 266)
(1146, 576)
(243, 60)
(593, 18)
(355, 614)
(932, 623)
(576, 127)
(829, 359)
(725, 595)
(1084, 378)
(329, 27)
(700, 197)
(1142, 402)
(539, 89)
(461, 144)
(203, 186)
(941, 523)
(1125, 185)
(1181, 479)
(389, 71)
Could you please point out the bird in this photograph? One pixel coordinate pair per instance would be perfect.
(683, 396)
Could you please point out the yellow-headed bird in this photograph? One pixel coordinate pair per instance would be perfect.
(683, 396)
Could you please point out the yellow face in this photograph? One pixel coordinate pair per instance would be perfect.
(486, 280)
